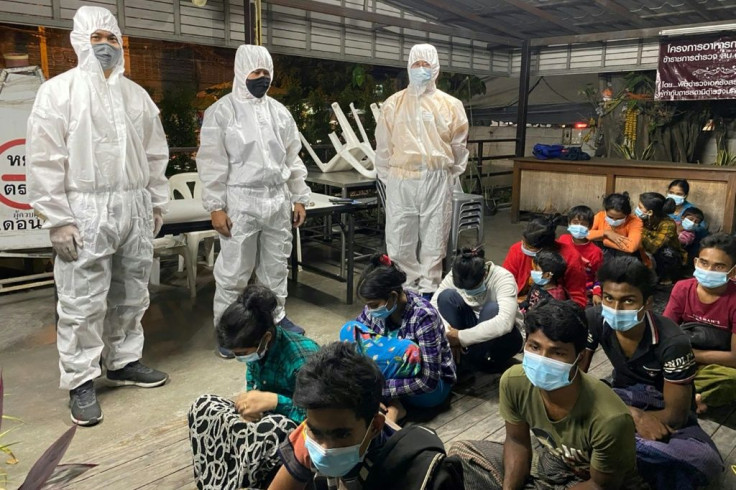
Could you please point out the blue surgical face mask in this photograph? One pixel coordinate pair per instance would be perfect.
(688, 224)
(615, 223)
(337, 461)
(420, 76)
(477, 291)
(107, 55)
(539, 280)
(382, 312)
(578, 231)
(678, 199)
(257, 355)
(545, 373)
(621, 320)
(710, 279)
(527, 251)
(640, 214)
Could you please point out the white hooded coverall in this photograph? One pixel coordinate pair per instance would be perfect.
(421, 140)
(249, 165)
(97, 155)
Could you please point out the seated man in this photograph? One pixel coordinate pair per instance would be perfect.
(583, 433)
(709, 300)
(654, 368)
(347, 439)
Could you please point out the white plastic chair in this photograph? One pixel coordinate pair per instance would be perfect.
(187, 186)
(173, 245)
(353, 154)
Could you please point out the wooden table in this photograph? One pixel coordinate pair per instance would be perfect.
(554, 186)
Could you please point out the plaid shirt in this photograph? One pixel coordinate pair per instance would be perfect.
(663, 235)
(421, 324)
(276, 372)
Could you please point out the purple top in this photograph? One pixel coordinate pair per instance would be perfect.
(421, 324)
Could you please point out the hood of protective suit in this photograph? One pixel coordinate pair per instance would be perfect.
(86, 21)
(428, 53)
(250, 58)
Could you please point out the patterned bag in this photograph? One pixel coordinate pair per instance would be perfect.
(396, 358)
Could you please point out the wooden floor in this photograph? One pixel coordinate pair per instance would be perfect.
(161, 459)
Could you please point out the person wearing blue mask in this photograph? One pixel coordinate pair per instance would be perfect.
(541, 234)
(421, 150)
(659, 238)
(347, 440)
(579, 221)
(548, 268)
(616, 229)
(707, 303)
(653, 372)
(392, 311)
(235, 443)
(564, 428)
(478, 306)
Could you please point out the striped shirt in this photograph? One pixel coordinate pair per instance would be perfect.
(421, 324)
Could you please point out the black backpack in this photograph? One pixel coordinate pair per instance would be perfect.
(414, 458)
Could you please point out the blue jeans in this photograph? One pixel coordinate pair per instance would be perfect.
(431, 399)
(489, 355)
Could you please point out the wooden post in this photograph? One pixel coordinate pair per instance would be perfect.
(44, 51)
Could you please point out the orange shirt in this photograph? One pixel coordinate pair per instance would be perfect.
(631, 229)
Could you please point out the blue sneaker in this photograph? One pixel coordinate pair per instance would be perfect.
(225, 353)
(290, 326)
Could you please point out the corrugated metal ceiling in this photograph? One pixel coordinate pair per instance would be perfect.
(530, 19)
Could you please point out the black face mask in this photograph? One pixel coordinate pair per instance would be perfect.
(258, 87)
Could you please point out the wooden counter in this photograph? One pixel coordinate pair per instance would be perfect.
(554, 186)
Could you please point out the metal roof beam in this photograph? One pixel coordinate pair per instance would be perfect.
(389, 20)
(620, 11)
(472, 16)
(644, 33)
(537, 12)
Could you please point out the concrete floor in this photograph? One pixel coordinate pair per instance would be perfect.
(179, 340)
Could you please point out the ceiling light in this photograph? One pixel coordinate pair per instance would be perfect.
(704, 29)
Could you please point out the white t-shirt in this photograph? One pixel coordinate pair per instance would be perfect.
(500, 288)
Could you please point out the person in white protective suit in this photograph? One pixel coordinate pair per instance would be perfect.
(97, 154)
(249, 165)
(421, 149)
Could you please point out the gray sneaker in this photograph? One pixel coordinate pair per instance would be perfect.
(83, 403)
(137, 374)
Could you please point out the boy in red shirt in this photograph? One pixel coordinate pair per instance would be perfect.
(579, 220)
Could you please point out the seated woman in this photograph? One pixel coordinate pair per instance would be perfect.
(477, 303)
(235, 444)
(548, 269)
(392, 311)
(615, 229)
(710, 299)
(659, 236)
(678, 191)
(540, 235)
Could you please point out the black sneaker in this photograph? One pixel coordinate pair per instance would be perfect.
(137, 374)
(290, 326)
(83, 403)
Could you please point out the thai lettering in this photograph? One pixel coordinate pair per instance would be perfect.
(17, 160)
